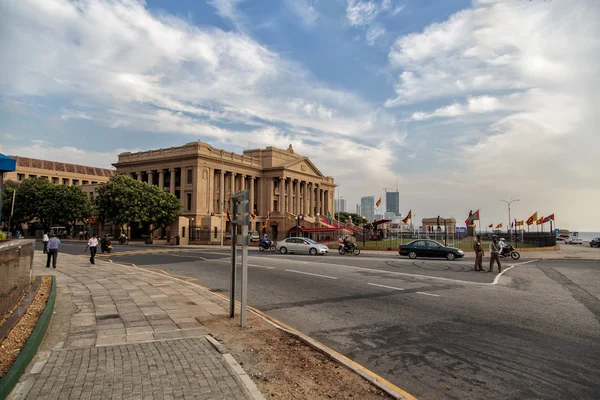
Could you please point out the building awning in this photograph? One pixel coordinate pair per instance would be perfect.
(302, 229)
(7, 164)
(381, 221)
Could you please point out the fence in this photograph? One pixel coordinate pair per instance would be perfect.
(16, 262)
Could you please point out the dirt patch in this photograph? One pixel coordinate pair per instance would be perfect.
(17, 338)
(284, 367)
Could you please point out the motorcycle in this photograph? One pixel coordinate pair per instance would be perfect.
(123, 239)
(262, 246)
(349, 248)
(509, 251)
(106, 246)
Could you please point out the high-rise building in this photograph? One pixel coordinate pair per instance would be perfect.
(358, 209)
(341, 205)
(392, 202)
(367, 207)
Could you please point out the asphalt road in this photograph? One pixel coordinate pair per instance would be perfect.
(435, 328)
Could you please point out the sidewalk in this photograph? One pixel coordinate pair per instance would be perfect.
(126, 333)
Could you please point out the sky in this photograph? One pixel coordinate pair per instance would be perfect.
(462, 104)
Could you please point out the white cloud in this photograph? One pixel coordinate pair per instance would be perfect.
(226, 9)
(480, 105)
(305, 9)
(361, 12)
(373, 33)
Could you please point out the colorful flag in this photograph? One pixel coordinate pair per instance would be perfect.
(540, 221)
(472, 218)
(378, 202)
(532, 219)
(266, 223)
(498, 226)
(408, 217)
(519, 223)
(549, 218)
(253, 216)
(329, 217)
(490, 225)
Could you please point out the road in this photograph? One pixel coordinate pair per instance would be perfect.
(435, 328)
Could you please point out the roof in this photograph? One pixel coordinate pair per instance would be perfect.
(7, 164)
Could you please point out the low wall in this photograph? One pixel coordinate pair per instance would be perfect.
(16, 263)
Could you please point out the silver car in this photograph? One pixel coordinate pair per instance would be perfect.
(301, 245)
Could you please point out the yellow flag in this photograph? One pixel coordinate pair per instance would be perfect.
(378, 202)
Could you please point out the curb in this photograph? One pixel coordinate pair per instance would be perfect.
(371, 377)
(8, 381)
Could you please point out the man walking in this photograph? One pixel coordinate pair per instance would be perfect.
(495, 254)
(45, 241)
(477, 246)
(53, 244)
(92, 244)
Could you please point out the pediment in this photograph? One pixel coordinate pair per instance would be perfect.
(304, 166)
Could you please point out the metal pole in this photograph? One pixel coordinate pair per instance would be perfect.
(222, 197)
(244, 298)
(233, 266)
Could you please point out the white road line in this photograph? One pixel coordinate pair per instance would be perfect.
(308, 273)
(384, 286)
(428, 294)
(506, 269)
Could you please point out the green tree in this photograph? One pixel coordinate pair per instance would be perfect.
(344, 216)
(126, 201)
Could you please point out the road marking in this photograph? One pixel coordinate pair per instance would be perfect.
(384, 286)
(506, 269)
(429, 294)
(308, 273)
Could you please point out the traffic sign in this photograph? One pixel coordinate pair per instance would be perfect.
(461, 229)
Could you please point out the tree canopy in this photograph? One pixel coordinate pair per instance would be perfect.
(356, 219)
(126, 201)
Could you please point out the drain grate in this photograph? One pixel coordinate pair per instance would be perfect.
(107, 316)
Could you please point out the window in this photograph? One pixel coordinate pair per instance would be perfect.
(65, 181)
(75, 182)
(55, 180)
(94, 182)
(33, 176)
(20, 177)
(183, 231)
(189, 176)
(85, 182)
(189, 201)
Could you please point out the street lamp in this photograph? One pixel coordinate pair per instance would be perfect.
(222, 191)
(508, 203)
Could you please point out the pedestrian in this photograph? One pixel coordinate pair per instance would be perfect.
(80, 235)
(495, 254)
(53, 244)
(45, 241)
(478, 254)
(92, 244)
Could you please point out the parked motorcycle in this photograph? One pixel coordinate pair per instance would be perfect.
(349, 248)
(509, 251)
(263, 246)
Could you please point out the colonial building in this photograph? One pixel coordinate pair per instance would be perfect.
(281, 184)
(58, 172)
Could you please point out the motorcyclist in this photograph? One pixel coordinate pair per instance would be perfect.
(502, 245)
(266, 242)
(347, 242)
(341, 242)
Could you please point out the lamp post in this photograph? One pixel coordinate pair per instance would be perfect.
(508, 203)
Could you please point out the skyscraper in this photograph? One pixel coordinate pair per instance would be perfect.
(392, 202)
(341, 205)
(367, 207)
(358, 209)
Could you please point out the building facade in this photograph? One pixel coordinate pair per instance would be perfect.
(358, 211)
(392, 202)
(281, 184)
(58, 172)
(341, 205)
(367, 208)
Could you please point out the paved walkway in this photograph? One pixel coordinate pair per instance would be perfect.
(126, 333)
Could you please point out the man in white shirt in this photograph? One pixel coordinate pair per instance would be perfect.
(92, 244)
(45, 240)
(502, 245)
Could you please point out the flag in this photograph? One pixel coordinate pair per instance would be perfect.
(329, 217)
(519, 223)
(499, 226)
(266, 223)
(253, 216)
(490, 225)
(378, 202)
(408, 217)
(532, 219)
(472, 218)
(540, 221)
(549, 218)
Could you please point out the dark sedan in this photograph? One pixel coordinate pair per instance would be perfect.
(429, 248)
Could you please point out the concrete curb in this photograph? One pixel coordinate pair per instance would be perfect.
(8, 381)
(249, 384)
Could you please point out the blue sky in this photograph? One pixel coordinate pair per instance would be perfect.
(465, 103)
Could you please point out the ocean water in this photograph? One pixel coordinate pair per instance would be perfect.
(588, 235)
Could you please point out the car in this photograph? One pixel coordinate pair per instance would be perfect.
(301, 245)
(574, 240)
(429, 248)
(254, 236)
(595, 242)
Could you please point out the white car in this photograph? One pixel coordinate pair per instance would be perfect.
(301, 245)
(254, 236)
(574, 241)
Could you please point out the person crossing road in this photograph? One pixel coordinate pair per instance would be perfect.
(92, 244)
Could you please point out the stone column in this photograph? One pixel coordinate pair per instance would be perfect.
(161, 178)
(310, 188)
(232, 189)
(319, 200)
(139, 176)
(280, 205)
(243, 183)
(150, 178)
(271, 189)
(252, 182)
(290, 196)
(172, 183)
(305, 198)
(297, 201)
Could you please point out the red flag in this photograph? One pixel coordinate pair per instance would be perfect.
(549, 218)
(490, 225)
(532, 219)
(408, 217)
(498, 226)
(472, 218)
